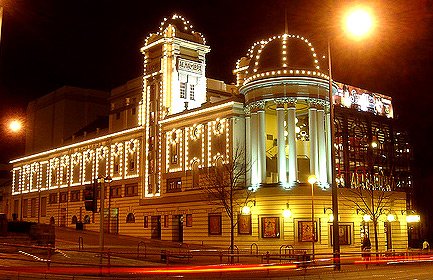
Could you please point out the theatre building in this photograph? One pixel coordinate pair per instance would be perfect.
(170, 128)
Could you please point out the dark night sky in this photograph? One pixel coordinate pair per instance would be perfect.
(46, 44)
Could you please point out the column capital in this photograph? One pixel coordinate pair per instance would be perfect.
(247, 110)
(280, 102)
(257, 106)
(320, 104)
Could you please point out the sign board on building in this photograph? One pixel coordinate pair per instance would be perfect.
(189, 66)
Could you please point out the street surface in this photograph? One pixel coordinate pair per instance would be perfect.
(136, 258)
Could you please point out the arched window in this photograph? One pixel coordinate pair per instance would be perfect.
(130, 218)
(52, 221)
(74, 220)
(86, 219)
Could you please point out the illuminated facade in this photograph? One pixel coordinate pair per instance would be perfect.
(172, 124)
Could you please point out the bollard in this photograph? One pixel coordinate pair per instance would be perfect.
(267, 257)
(221, 257)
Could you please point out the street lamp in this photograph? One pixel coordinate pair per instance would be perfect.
(102, 182)
(312, 180)
(359, 22)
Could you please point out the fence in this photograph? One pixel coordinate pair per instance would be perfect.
(47, 259)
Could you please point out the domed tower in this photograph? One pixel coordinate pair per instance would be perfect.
(287, 111)
(174, 80)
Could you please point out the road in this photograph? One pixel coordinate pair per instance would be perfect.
(408, 271)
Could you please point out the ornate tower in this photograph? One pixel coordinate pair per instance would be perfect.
(174, 80)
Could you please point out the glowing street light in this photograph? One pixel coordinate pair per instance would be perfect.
(15, 126)
(358, 22)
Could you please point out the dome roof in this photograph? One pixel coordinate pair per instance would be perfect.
(282, 55)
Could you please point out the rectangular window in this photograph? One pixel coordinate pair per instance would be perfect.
(43, 206)
(182, 90)
(63, 197)
(189, 220)
(33, 207)
(115, 191)
(270, 227)
(244, 224)
(215, 224)
(131, 190)
(146, 222)
(165, 221)
(305, 231)
(25, 207)
(344, 234)
(75, 195)
(191, 92)
(53, 198)
(174, 185)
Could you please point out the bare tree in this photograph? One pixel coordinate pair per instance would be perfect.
(372, 197)
(225, 186)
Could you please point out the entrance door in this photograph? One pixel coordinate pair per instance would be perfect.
(177, 228)
(388, 233)
(155, 222)
(63, 217)
(114, 221)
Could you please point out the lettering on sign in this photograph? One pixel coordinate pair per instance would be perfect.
(189, 66)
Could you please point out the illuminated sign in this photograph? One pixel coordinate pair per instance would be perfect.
(189, 66)
(362, 100)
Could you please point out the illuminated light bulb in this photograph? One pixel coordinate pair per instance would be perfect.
(287, 213)
(366, 218)
(413, 218)
(297, 129)
(15, 125)
(331, 218)
(390, 218)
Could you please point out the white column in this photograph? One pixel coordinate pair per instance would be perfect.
(261, 143)
(321, 137)
(282, 177)
(248, 159)
(291, 137)
(328, 147)
(254, 159)
(312, 122)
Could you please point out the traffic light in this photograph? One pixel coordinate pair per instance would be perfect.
(90, 197)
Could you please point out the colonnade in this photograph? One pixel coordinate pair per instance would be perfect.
(255, 124)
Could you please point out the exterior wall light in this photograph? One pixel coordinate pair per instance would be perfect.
(331, 215)
(287, 213)
(390, 217)
(366, 218)
(413, 218)
(246, 210)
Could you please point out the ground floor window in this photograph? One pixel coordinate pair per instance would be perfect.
(270, 227)
(344, 234)
(215, 224)
(305, 231)
(244, 224)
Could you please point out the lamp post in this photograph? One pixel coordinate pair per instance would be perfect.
(312, 180)
(102, 182)
(358, 23)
